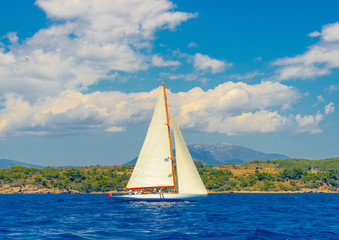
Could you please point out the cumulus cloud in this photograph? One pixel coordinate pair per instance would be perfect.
(319, 60)
(85, 42)
(251, 122)
(116, 18)
(73, 112)
(160, 62)
(42, 74)
(217, 110)
(310, 123)
(206, 63)
(329, 108)
(330, 32)
(43, 77)
(228, 108)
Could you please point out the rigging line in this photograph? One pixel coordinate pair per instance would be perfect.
(170, 140)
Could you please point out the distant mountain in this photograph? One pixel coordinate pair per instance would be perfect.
(219, 153)
(6, 163)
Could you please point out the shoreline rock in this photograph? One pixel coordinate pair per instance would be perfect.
(31, 189)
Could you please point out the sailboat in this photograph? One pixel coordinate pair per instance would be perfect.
(155, 167)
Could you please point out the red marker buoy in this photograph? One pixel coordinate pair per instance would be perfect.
(109, 195)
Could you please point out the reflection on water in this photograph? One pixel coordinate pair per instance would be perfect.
(158, 205)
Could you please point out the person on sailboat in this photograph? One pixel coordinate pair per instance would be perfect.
(160, 193)
(130, 192)
(154, 190)
(141, 191)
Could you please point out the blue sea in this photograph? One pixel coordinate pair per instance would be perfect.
(219, 216)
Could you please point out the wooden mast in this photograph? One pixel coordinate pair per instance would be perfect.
(170, 140)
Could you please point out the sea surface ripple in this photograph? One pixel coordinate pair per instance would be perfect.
(219, 216)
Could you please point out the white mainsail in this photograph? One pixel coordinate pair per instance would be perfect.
(189, 181)
(154, 167)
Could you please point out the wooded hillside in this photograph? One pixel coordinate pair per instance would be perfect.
(278, 175)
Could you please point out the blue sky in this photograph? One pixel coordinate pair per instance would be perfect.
(79, 79)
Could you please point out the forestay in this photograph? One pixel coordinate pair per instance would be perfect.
(189, 181)
(153, 167)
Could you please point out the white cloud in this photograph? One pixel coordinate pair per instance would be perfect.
(333, 88)
(314, 34)
(13, 37)
(121, 19)
(6, 59)
(320, 99)
(302, 72)
(72, 112)
(160, 62)
(246, 76)
(192, 45)
(330, 32)
(250, 122)
(115, 129)
(85, 41)
(41, 77)
(42, 74)
(230, 108)
(172, 76)
(329, 108)
(205, 63)
(195, 76)
(310, 123)
(319, 60)
(214, 109)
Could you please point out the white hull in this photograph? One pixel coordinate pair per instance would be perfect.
(161, 197)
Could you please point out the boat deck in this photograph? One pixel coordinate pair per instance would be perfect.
(165, 197)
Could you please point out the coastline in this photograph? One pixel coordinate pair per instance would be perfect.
(305, 191)
(34, 189)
